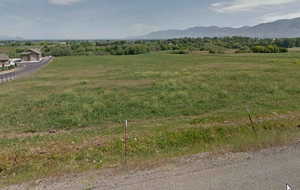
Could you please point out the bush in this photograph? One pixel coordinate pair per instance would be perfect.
(180, 52)
(283, 50)
(269, 49)
(57, 51)
(216, 50)
(244, 50)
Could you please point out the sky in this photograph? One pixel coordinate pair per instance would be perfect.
(115, 19)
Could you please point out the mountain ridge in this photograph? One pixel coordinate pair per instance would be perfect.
(285, 28)
(5, 37)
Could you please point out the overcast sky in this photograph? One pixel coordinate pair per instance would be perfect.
(53, 19)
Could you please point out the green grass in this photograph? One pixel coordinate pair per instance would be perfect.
(176, 105)
(77, 92)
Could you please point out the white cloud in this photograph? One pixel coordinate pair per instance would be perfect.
(63, 2)
(273, 17)
(246, 5)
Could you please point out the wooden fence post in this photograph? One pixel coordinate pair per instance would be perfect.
(125, 142)
(251, 121)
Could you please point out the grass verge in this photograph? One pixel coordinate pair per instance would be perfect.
(29, 160)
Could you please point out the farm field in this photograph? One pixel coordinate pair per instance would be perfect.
(68, 117)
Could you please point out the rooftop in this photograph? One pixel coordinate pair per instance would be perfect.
(35, 51)
(4, 57)
(28, 52)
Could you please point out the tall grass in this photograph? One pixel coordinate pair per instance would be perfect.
(21, 163)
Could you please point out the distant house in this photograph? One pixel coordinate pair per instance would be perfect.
(4, 60)
(31, 55)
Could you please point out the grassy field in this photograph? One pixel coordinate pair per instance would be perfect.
(68, 117)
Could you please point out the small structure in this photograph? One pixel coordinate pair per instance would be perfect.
(32, 55)
(4, 60)
(15, 61)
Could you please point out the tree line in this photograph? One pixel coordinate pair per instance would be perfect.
(135, 47)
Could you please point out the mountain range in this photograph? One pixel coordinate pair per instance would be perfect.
(288, 28)
(4, 37)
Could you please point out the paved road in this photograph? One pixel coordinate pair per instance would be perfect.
(264, 170)
(24, 69)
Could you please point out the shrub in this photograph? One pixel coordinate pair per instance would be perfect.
(244, 50)
(180, 52)
(269, 49)
(216, 50)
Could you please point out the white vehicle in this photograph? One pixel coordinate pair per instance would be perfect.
(14, 62)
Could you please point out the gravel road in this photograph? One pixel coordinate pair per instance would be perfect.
(269, 169)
